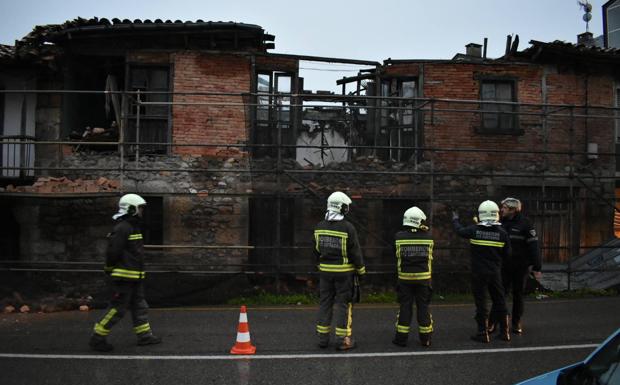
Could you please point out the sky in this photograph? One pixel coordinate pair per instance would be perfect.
(360, 29)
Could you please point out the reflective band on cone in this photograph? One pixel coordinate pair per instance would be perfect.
(243, 344)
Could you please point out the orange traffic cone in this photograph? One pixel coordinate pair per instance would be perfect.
(243, 344)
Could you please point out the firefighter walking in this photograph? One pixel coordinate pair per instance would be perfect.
(525, 256)
(125, 265)
(339, 255)
(414, 256)
(489, 246)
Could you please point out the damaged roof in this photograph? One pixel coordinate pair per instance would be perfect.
(6, 51)
(561, 50)
(203, 34)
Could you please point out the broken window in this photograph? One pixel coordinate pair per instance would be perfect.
(148, 120)
(273, 114)
(399, 120)
(500, 118)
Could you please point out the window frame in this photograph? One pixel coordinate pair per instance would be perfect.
(399, 133)
(265, 131)
(500, 128)
(130, 107)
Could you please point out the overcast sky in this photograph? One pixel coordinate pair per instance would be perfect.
(361, 29)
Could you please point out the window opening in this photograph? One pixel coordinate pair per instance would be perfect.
(498, 117)
(154, 85)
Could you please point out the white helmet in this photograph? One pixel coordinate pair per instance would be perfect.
(413, 217)
(128, 204)
(512, 203)
(338, 202)
(488, 211)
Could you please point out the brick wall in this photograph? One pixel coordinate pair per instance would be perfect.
(210, 124)
(534, 84)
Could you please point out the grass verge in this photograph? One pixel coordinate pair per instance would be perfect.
(264, 298)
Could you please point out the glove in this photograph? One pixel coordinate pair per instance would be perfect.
(455, 215)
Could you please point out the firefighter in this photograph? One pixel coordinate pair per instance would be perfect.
(125, 266)
(525, 257)
(339, 258)
(489, 245)
(414, 256)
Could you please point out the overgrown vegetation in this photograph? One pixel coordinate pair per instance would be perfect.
(389, 297)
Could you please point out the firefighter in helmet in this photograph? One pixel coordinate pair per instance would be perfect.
(125, 266)
(414, 256)
(339, 256)
(489, 246)
(525, 256)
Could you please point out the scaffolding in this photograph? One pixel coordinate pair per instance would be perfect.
(380, 140)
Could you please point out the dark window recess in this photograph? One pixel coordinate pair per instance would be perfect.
(499, 118)
(153, 230)
(9, 234)
(154, 119)
(263, 227)
(393, 210)
(399, 120)
(273, 114)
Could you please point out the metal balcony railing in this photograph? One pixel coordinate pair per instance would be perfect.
(17, 156)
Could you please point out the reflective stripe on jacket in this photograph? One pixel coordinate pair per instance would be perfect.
(414, 255)
(125, 253)
(490, 246)
(337, 247)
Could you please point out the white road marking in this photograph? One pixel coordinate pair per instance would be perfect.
(294, 356)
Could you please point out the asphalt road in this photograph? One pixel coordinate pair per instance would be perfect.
(52, 348)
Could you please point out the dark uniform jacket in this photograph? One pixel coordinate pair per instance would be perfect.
(414, 255)
(125, 252)
(525, 251)
(490, 245)
(337, 247)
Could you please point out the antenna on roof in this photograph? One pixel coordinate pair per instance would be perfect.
(587, 15)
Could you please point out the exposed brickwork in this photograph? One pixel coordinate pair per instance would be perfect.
(216, 123)
(535, 84)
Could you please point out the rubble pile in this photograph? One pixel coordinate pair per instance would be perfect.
(45, 185)
(49, 304)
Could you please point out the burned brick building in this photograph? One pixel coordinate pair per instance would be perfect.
(236, 154)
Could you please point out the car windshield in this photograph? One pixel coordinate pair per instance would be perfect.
(604, 365)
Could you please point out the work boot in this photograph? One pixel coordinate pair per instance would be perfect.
(425, 339)
(323, 341)
(99, 344)
(483, 334)
(517, 328)
(148, 339)
(400, 339)
(346, 343)
(504, 329)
